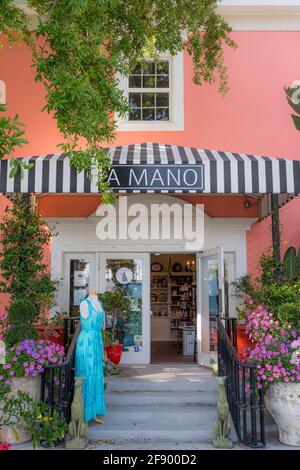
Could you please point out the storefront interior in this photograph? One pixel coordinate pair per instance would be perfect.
(173, 308)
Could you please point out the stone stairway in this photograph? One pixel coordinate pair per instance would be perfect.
(171, 403)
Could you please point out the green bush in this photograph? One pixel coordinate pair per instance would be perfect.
(20, 317)
(289, 312)
(279, 294)
(35, 417)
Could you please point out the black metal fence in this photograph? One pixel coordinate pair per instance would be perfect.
(57, 381)
(245, 399)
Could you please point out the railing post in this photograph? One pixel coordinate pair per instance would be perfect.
(66, 335)
(253, 408)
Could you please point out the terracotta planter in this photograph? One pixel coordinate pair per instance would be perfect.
(32, 386)
(55, 334)
(114, 353)
(283, 402)
(242, 339)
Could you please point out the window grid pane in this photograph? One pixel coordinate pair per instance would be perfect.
(149, 93)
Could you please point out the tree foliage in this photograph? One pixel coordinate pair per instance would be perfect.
(84, 45)
(293, 98)
(11, 136)
(14, 23)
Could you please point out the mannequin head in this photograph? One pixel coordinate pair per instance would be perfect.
(93, 292)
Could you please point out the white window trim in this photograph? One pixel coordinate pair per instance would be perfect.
(176, 108)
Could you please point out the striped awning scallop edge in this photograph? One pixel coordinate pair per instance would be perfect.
(223, 172)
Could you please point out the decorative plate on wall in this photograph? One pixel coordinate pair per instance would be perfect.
(156, 267)
(177, 268)
(162, 297)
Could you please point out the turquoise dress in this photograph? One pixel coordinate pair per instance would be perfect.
(90, 361)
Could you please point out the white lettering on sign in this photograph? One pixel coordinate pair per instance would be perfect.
(185, 177)
(143, 180)
(169, 177)
(113, 177)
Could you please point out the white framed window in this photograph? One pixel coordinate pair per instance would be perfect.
(155, 93)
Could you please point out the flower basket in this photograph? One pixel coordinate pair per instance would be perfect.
(114, 353)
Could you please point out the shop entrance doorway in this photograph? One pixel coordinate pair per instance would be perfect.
(173, 301)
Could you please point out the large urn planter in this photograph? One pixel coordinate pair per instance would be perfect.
(283, 402)
(31, 385)
(242, 339)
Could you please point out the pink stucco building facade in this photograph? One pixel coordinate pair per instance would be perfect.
(253, 118)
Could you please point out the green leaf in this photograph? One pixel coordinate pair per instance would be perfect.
(15, 433)
(13, 171)
(296, 120)
(294, 106)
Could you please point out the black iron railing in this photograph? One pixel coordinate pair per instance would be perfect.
(70, 324)
(57, 381)
(245, 399)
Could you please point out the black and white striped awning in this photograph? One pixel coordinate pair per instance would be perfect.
(151, 167)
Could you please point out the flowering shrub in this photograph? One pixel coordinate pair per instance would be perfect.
(29, 359)
(276, 351)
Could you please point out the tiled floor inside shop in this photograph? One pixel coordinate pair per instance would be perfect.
(168, 351)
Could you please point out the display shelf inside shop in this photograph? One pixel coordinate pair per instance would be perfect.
(179, 309)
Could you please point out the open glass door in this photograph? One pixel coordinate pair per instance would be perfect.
(210, 301)
(130, 274)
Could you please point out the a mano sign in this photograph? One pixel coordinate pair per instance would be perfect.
(157, 177)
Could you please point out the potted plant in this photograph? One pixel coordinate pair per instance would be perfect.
(118, 306)
(243, 291)
(32, 417)
(113, 349)
(274, 288)
(277, 355)
(21, 371)
(53, 328)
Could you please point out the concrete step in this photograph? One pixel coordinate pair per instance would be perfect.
(159, 403)
(133, 386)
(165, 399)
(156, 423)
(170, 417)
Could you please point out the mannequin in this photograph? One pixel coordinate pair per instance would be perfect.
(90, 357)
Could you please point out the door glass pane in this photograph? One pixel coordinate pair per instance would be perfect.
(226, 287)
(213, 301)
(126, 276)
(79, 283)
